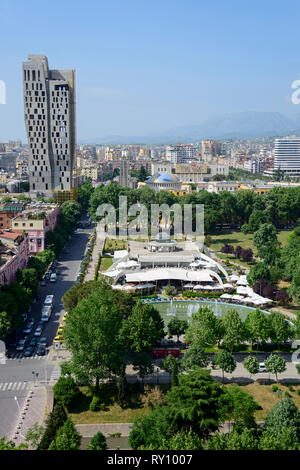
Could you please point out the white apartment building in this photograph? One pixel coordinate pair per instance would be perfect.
(287, 155)
(180, 153)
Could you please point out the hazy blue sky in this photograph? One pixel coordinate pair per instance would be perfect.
(145, 66)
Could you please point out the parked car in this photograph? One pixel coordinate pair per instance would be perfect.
(59, 339)
(53, 277)
(43, 283)
(262, 367)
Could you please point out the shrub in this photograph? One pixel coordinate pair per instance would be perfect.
(95, 403)
(274, 388)
(65, 390)
(153, 396)
(98, 442)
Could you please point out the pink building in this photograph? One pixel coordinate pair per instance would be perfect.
(14, 254)
(37, 220)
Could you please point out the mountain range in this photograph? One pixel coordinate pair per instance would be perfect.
(242, 125)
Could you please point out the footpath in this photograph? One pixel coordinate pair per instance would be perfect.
(35, 408)
(97, 251)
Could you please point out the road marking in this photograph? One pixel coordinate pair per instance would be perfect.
(10, 386)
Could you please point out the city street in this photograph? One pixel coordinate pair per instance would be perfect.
(20, 373)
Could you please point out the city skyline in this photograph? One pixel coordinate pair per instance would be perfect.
(145, 68)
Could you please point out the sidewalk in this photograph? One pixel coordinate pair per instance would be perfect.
(34, 410)
(97, 250)
(89, 430)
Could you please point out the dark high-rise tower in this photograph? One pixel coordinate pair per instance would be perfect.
(49, 108)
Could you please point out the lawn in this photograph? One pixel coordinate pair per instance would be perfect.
(105, 263)
(244, 240)
(112, 244)
(264, 396)
(80, 413)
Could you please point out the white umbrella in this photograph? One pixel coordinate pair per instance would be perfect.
(226, 296)
(237, 297)
(248, 300)
(242, 290)
(228, 286)
(234, 278)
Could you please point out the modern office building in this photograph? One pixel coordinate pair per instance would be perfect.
(49, 110)
(287, 155)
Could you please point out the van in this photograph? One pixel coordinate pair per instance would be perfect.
(46, 312)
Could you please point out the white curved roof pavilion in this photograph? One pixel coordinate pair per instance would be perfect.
(178, 274)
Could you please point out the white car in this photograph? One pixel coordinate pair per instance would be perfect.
(262, 367)
(53, 277)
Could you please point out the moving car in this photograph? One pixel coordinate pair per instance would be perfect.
(28, 327)
(38, 331)
(49, 300)
(33, 342)
(41, 350)
(28, 351)
(21, 345)
(46, 312)
(43, 341)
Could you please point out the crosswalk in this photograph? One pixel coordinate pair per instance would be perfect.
(10, 386)
(55, 373)
(21, 356)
